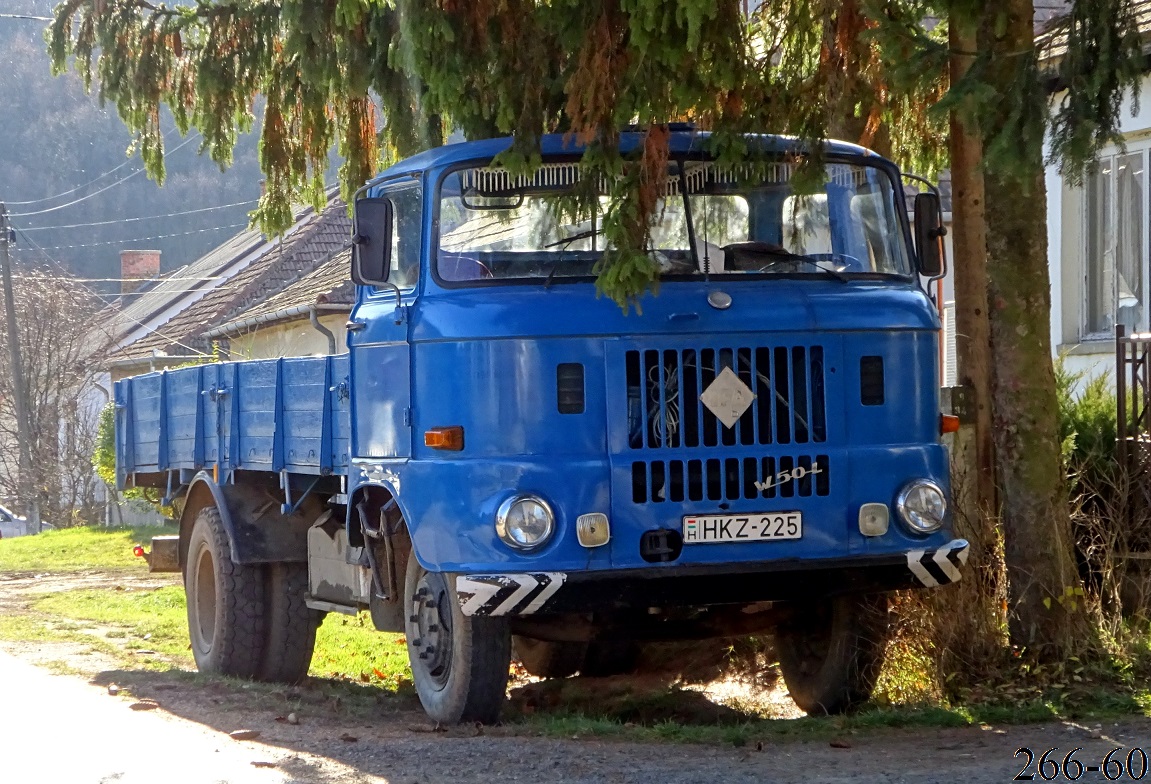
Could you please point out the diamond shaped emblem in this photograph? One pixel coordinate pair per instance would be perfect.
(727, 397)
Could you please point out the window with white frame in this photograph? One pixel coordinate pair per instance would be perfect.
(1115, 268)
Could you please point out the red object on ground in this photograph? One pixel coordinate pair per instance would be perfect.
(139, 551)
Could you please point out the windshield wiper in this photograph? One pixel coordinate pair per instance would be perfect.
(562, 244)
(784, 254)
(565, 241)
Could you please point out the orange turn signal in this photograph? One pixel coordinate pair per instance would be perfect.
(450, 438)
(948, 423)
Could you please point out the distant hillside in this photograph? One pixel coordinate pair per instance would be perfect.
(58, 145)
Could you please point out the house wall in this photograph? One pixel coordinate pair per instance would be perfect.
(1070, 260)
(291, 339)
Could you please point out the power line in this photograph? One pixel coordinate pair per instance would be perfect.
(164, 279)
(132, 220)
(146, 239)
(98, 192)
(85, 185)
(99, 324)
(26, 16)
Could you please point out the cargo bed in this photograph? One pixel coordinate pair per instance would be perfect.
(286, 416)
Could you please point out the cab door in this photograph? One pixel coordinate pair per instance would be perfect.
(379, 326)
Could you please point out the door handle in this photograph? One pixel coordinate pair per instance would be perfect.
(354, 325)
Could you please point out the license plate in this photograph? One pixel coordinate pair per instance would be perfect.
(756, 527)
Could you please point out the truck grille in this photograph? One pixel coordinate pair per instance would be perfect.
(664, 388)
(729, 479)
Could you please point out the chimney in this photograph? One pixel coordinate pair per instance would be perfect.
(137, 266)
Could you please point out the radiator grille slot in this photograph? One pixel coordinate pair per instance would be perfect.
(664, 388)
(730, 479)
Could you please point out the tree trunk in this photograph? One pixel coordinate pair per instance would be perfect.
(1047, 614)
(969, 272)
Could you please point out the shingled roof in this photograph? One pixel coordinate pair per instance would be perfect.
(316, 239)
(1052, 37)
(328, 288)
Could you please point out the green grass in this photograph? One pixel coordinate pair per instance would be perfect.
(149, 619)
(347, 648)
(568, 725)
(78, 549)
(26, 628)
(350, 648)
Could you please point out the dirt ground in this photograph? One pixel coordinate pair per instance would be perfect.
(392, 741)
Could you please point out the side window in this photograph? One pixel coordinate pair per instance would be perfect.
(1115, 258)
(407, 205)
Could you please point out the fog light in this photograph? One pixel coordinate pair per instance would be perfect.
(873, 519)
(593, 530)
(922, 506)
(524, 522)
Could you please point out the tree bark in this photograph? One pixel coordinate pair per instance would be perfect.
(969, 273)
(1047, 614)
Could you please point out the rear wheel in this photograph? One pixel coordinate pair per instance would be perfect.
(291, 625)
(545, 659)
(459, 663)
(830, 651)
(226, 602)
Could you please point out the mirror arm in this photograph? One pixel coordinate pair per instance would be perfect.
(401, 314)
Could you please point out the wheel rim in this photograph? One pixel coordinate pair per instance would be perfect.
(430, 628)
(204, 601)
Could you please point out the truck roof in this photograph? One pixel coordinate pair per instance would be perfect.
(684, 139)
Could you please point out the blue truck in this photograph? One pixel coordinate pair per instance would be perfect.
(505, 462)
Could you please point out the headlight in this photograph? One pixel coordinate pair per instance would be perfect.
(524, 522)
(922, 506)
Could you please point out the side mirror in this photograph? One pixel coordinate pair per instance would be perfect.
(371, 241)
(929, 233)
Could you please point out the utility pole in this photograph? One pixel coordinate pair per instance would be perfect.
(19, 394)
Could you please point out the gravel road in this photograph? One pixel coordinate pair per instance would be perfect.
(69, 728)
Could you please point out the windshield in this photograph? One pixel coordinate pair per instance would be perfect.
(496, 226)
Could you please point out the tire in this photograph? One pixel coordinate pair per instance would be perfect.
(830, 651)
(226, 603)
(605, 659)
(459, 663)
(291, 626)
(545, 659)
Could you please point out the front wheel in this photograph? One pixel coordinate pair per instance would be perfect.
(459, 663)
(830, 651)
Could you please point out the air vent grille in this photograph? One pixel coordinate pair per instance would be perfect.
(871, 381)
(570, 388)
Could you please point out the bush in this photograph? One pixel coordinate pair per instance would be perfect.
(1087, 428)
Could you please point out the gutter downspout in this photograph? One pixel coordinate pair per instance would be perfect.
(313, 316)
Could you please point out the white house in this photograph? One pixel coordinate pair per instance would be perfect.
(1097, 237)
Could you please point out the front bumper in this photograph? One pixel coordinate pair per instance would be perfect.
(542, 593)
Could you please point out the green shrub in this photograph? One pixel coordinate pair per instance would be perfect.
(1087, 427)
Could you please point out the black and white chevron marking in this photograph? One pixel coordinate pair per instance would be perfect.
(939, 567)
(507, 594)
